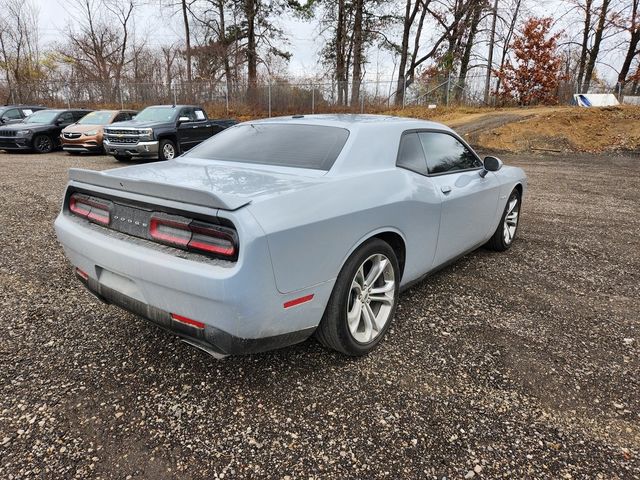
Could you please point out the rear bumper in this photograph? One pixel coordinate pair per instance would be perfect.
(140, 149)
(210, 338)
(239, 303)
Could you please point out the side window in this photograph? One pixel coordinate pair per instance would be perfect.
(188, 112)
(65, 118)
(199, 114)
(78, 115)
(122, 117)
(13, 114)
(446, 154)
(410, 154)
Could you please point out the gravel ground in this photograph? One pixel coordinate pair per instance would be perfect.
(523, 364)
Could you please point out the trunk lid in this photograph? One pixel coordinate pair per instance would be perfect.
(223, 185)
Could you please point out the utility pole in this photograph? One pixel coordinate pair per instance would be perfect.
(492, 40)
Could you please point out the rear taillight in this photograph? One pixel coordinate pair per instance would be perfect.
(91, 208)
(194, 235)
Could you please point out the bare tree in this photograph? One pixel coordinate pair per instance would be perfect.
(98, 42)
(448, 19)
(603, 13)
(19, 47)
(630, 23)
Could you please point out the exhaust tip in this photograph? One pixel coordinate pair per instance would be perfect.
(210, 351)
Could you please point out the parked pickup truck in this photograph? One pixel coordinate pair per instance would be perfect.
(161, 131)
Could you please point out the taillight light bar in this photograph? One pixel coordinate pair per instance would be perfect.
(91, 208)
(194, 235)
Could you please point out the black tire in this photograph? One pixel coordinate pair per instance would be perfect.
(161, 149)
(333, 331)
(43, 143)
(498, 242)
(122, 158)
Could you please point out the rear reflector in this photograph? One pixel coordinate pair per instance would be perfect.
(90, 208)
(298, 301)
(187, 321)
(82, 274)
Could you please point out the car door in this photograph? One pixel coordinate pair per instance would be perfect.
(187, 130)
(469, 201)
(424, 207)
(64, 120)
(203, 125)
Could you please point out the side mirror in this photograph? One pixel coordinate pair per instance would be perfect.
(3, 120)
(490, 164)
(183, 119)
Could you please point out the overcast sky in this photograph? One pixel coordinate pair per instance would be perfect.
(303, 37)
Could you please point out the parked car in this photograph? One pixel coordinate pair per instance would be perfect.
(40, 131)
(86, 134)
(275, 229)
(161, 132)
(16, 113)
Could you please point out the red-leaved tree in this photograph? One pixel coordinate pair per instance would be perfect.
(534, 76)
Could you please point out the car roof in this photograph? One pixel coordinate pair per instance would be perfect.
(353, 121)
(373, 139)
(39, 107)
(174, 106)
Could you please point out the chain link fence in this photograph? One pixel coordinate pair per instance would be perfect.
(265, 98)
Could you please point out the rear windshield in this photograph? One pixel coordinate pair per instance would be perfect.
(288, 145)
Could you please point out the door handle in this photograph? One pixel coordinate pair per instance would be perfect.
(445, 189)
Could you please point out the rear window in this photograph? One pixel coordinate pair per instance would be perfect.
(288, 145)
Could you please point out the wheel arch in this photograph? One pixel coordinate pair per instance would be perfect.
(519, 188)
(390, 235)
(169, 136)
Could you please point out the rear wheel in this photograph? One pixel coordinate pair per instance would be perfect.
(363, 301)
(506, 232)
(42, 143)
(167, 150)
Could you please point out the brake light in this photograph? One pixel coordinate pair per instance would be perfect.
(90, 208)
(193, 235)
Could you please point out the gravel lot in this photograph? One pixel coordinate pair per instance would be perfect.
(514, 365)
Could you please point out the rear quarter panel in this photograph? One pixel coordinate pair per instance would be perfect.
(312, 232)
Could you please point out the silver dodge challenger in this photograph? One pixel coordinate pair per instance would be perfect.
(276, 230)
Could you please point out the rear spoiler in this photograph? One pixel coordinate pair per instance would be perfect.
(160, 190)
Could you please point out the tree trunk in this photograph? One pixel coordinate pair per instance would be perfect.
(222, 38)
(492, 41)
(187, 36)
(252, 54)
(341, 76)
(357, 52)
(632, 51)
(468, 47)
(585, 43)
(507, 42)
(595, 50)
(409, 16)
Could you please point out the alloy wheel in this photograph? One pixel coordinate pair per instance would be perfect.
(371, 298)
(168, 151)
(43, 143)
(511, 219)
